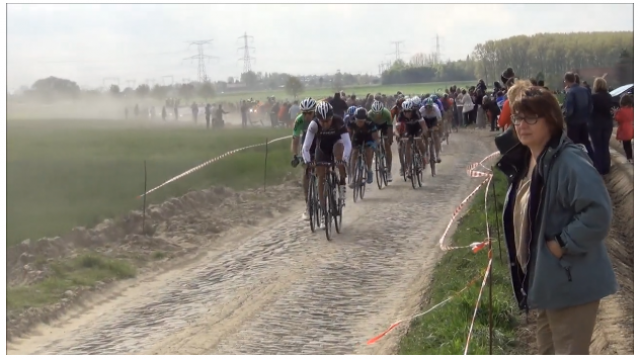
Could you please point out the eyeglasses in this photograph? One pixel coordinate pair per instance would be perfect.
(530, 120)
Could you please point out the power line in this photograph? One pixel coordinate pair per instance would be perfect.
(247, 55)
(201, 57)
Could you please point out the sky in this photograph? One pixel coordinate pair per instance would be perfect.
(92, 42)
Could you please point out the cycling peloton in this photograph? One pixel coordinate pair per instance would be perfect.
(362, 130)
(332, 141)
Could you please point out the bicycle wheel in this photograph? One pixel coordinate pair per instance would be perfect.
(379, 173)
(411, 166)
(328, 218)
(312, 204)
(383, 163)
(432, 157)
(417, 165)
(403, 168)
(357, 178)
(337, 204)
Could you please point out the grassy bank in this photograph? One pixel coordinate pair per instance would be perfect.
(445, 330)
(85, 270)
(62, 174)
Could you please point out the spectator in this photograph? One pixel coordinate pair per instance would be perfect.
(492, 110)
(339, 105)
(207, 114)
(467, 107)
(294, 111)
(164, 113)
(504, 121)
(244, 109)
(217, 120)
(577, 111)
(601, 126)
(556, 217)
(624, 117)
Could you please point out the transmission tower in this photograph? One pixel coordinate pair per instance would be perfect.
(247, 55)
(150, 82)
(397, 46)
(437, 54)
(201, 57)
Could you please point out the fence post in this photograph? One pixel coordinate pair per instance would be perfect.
(495, 204)
(144, 199)
(266, 155)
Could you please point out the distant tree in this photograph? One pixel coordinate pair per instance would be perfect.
(114, 90)
(230, 80)
(206, 90)
(159, 92)
(250, 78)
(337, 82)
(52, 87)
(143, 91)
(624, 68)
(293, 86)
(187, 91)
(320, 81)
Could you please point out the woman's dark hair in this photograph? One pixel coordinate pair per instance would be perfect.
(533, 81)
(541, 83)
(464, 91)
(626, 100)
(536, 100)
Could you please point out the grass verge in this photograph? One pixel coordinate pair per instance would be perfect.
(445, 330)
(62, 174)
(85, 270)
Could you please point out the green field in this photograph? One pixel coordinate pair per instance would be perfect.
(444, 331)
(62, 174)
(360, 91)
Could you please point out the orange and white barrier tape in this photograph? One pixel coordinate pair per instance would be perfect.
(409, 319)
(471, 172)
(228, 153)
(475, 311)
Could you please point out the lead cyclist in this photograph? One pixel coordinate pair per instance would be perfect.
(382, 118)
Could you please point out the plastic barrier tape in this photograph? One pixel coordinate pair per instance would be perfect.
(212, 161)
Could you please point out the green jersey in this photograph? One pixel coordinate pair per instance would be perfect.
(300, 126)
(381, 118)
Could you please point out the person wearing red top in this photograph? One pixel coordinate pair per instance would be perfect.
(504, 121)
(624, 117)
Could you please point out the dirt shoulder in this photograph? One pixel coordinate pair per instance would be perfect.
(51, 276)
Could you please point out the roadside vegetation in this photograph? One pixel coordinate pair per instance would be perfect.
(62, 174)
(444, 331)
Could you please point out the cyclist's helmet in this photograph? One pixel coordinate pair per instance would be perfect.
(377, 107)
(416, 102)
(435, 96)
(351, 110)
(407, 106)
(324, 111)
(361, 113)
(308, 104)
(428, 102)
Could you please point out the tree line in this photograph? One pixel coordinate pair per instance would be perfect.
(541, 56)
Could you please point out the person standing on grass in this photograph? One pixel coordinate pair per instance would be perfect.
(577, 112)
(217, 119)
(207, 114)
(557, 214)
(164, 113)
(624, 117)
(244, 109)
(601, 125)
(175, 112)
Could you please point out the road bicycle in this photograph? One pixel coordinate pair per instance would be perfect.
(381, 163)
(313, 201)
(332, 212)
(432, 151)
(359, 181)
(414, 167)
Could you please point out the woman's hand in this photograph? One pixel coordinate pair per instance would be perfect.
(555, 248)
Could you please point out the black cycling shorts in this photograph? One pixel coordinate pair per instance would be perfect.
(384, 128)
(359, 139)
(323, 156)
(431, 122)
(413, 129)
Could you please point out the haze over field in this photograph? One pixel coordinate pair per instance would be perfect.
(86, 43)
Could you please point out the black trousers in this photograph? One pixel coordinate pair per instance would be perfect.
(579, 134)
(600, 136)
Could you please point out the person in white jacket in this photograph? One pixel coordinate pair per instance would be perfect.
(467, 107)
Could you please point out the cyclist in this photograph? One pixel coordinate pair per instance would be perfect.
(432, 117)
(351, 111)
(382, 118)
(362, 130)
(397, 108)
(410, 123)
(332, 141)
(307, 106)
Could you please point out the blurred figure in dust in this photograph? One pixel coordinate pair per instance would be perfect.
(175, 112)
(126, 113)
(207, 114)
(218, 121)
(164, 113)
(244, 109)
(194, 112)
(136, 111)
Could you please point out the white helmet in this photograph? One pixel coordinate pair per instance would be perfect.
(324, 110)
(416, 102)
(308, 104)
(407, 106)
(377, 106)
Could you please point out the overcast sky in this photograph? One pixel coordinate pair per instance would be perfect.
(86, 43)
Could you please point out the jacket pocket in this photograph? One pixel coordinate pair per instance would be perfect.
(566, 266)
